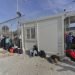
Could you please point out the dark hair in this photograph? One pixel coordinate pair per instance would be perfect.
(35, 47)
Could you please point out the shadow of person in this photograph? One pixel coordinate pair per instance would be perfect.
(66, 68)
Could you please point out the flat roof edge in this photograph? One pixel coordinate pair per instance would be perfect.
(70, 13)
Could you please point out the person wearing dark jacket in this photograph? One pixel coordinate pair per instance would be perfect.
(3, 42)
(73, 42)
(34, 51)
(17, 42)
(35, 48)
(69, 38)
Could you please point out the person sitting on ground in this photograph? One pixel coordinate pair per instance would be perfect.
(34, 51)
(31, 52)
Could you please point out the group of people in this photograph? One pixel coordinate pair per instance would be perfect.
(7, 42)
(70, 41)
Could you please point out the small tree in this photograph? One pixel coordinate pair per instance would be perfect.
(5, 28)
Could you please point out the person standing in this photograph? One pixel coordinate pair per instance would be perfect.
(7, 42)
(69, 38)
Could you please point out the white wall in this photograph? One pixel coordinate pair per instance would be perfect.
(51, 35)
(48, 36)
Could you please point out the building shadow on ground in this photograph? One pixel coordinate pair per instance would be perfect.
(65, 68)
(69, 62)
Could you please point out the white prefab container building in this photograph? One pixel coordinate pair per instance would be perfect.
(47, 33)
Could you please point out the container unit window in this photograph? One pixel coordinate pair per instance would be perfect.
(28, 33)
(31, 33)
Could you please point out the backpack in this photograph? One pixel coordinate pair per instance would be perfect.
(42, 54)
(20, 51)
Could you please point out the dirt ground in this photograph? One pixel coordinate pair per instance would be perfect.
(25, 65)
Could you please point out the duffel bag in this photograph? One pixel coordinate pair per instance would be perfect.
(72, 54)
(20, 51)
(42, 54)
(15, 50)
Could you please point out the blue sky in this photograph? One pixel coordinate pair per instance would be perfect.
(34, 8)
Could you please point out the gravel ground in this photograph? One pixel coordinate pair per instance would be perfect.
(25, 65)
